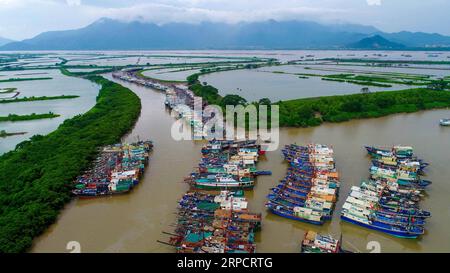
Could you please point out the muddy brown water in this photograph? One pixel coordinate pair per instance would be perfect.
(134, 222)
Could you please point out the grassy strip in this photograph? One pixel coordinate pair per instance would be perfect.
(3, 133)
(66, 72)
(40, 98)
(378, 79)
(365, 83)
(384, 61)
(7, 90)
(366, 80)
(35, 178)
(315, 111)
(26, 79)
(12, 117)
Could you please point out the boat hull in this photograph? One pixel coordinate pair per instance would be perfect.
(292, 217)
(223, 187)
(390, 232)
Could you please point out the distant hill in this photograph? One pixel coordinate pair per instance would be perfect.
(108, 34)
(376, 42)
(418, 39)
(4, 41)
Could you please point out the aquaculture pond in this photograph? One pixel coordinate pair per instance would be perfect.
(337, 68)
(256, 84)
(171, 74)
(144, 60)
(58, 85)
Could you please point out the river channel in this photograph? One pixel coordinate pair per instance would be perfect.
(134, 222)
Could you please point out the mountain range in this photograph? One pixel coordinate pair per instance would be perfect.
(109, 34)
(4, 41)
(376, 42)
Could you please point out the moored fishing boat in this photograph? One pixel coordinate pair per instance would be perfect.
(317, 243)
(402, 231)
(444, 122)
(389, 201)
(397, 151)
(302, 214)
(116, 170)
(310, 189)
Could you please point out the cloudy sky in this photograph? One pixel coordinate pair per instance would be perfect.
(20, 19)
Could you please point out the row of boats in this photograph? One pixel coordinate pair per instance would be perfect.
(389, 200)
(177, 97)
(309, 191)
(215, 223)
(211, 222)
(130, 75)
(116, 170)
(227, 165)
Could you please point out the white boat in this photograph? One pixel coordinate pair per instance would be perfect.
(444, 122)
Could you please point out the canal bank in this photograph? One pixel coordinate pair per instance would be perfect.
(133, 222)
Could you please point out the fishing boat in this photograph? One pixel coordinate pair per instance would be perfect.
(397, 151)
(302, 214)
(310, 188)
(389, 201)
(116, 170)
(444, 122)
(214, 182)
(316, 243)
(401, 231)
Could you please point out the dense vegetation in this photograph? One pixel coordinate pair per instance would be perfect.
(35, 178)
(40, 98)
(13, 117)
(314, 111)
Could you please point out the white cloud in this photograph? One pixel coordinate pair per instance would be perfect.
(26, 18)
(374, 2)
(193, 11)
(73, 2)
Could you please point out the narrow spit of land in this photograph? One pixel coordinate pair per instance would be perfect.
(24, 99)
(7, 90)
(36, 178)
(34, 116)
(315, 111)
(3, 133)
(25, 79)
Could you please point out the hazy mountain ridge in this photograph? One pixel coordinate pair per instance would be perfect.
(108, 34)
(4, 41)
(376, 42)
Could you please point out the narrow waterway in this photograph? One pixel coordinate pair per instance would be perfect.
(133, 222)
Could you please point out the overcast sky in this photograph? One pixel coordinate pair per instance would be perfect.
(20, 19)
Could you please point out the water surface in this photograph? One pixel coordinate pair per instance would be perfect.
(133, 222)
